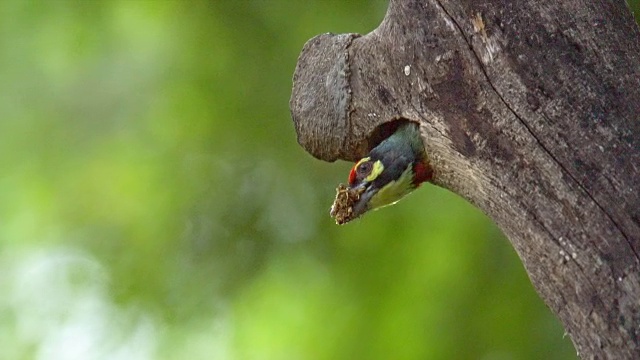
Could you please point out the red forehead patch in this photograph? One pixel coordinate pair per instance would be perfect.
(352, 175)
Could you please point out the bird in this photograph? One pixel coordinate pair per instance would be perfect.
(391, 170)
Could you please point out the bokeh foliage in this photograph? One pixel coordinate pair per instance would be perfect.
(155, 203)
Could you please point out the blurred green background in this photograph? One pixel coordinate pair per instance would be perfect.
(154, 203)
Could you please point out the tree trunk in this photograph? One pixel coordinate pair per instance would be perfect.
(530, 110)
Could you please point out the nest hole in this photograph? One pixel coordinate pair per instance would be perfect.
(383, 131)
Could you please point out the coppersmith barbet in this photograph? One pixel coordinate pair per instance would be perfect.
(391, 170)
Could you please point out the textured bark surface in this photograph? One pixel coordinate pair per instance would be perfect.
(530, 110)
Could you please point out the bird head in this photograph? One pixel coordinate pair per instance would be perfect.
(391, 170)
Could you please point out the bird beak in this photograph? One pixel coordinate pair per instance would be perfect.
(362, 205)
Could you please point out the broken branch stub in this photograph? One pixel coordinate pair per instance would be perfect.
(321, 96)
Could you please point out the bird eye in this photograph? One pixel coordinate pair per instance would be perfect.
(364, 168)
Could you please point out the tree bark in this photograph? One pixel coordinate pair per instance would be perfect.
(530, 110)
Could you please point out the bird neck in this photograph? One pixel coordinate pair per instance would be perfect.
(393, 191)
(409, 135)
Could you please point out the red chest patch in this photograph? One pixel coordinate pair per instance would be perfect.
(422, 173)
